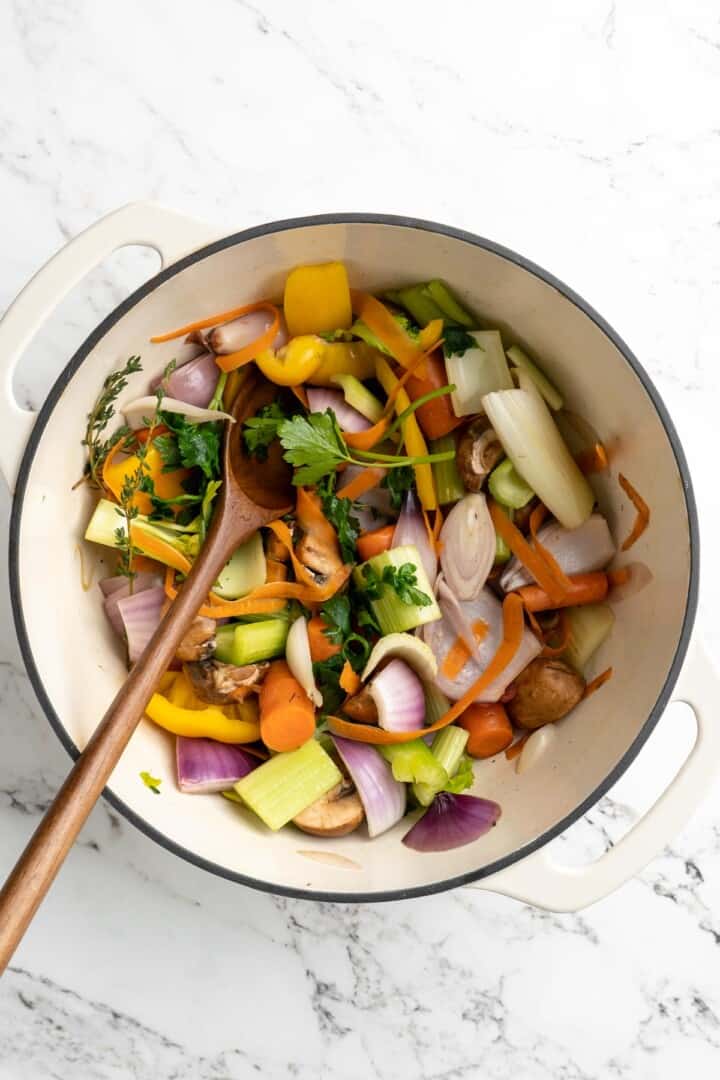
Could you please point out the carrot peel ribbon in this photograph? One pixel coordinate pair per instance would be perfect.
(643, 513)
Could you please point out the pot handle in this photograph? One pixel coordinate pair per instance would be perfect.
(540, 881)
(143, 223)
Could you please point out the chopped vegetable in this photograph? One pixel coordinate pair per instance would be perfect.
(321, 646)
(246, 643)
(488, 727)
(383, 797)
(287, 715)
(477, 371)
(152, 782)
(546, 388)
(359, 397)
(545, 692)
(448, 748)
(399, 697)
(449, 486)
(597, 682)
(317, 298)
(294, 363)
(589, 626)
(468, 546)
(244, 572)
(414, 441)
(234, 724)
(205, 766)
(583, 589)
(411, 529)
(449, 304)
(507, 486)
(414, 762)
(436, 418)
(400, 594)
(452, 821)
(576, 551)
(279, 789)
(374, 542)
(643, 513)
(349, 419)
(299, 659)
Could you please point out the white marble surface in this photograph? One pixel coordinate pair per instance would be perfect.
(587, 137)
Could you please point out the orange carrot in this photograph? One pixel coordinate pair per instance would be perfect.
(548, 578)
(275, 570)
(593, 460)
(643, 513)
(378, 319)
(364, 481)
(597, 682)
(489, 728)
(287, 716)
(349, 680)
(365, 440)
(301, 394)
(436, 417)
(584, 589)
(159, 550)
(621, 576)
(517, 747)
(321, 647)
(513, 627)
(457, 657)
(372, 543)
(143, 564)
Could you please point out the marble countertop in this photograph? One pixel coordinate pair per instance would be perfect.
(585, 136)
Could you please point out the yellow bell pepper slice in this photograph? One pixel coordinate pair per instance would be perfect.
(415, 444)
(294, 363)
(178, 710)
(345, 358)
(167, 485)
(317, 299)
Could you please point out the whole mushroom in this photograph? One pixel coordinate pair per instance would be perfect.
(545, 692)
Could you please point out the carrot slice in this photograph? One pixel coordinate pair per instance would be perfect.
(517, 747)
(537, 516)
(547, 577)
(365, 440)
(287, 716)
(321, 648)
(513, 627)
(592, 460)
(489, 729)
(364, 481)
(159, 550)
(597, 682)
(643, 513)
(349, 680)
(375, 542)
(378, 319)
(584, 589)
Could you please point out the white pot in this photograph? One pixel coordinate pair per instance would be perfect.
(75, 665)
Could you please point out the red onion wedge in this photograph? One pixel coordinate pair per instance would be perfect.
(141, 614)
(383, 797)
(204, 765)
(118, 588)
(399, 697)
(452, 821)
(582, 550)
(193, 382)
(411, 529)
(229, 337)
(349, 419)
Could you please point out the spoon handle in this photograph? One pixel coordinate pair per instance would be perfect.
(36, 868)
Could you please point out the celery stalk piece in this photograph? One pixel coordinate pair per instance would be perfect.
(448, 483)
(420, 305)
(478, 372)
(502, 551)
(245, 570)
(449, 304)
(279, 789)
(436, 704)
(359, 397)
(249, 643)
(414, 762)
(106, 521)
(507, 486)
(589, 626)
(448, 747)
(392, 614)
(549, 392)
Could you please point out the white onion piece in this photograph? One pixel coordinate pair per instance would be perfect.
(577, 551)
(320, 398)
(231, 336)
(410, 529)
(453, 612)
(536, 747)
(468, 546)
(405, 647)
(297, 654)
(399, 697)
(193, 382)
(441, 635)
(137, 411)
(383, 797)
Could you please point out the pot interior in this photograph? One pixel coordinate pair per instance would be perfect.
(78, 661)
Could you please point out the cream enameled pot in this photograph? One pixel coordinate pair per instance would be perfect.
(76, 667)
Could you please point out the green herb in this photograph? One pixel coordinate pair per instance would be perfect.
(339, 514)
(100, 416)
(327, 678)
(402, 579)
(216, 401)
(398, 482)
(195, 445)
(336, 613)
(262, 429)
(152, 782)
(457, 341)
(463, 778)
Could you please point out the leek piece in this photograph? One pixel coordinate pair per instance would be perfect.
(448, 748)
(420, 305)
(392, 614)
(359, 397)
(279, 789)
(530, 438)
(107, 524)
(477, 372)
(589, 626)
(414, 762)
(245, 570)
(507, 486)
(248, 643)
(445, 300)
(449, 487)
(436, 704)
(502, 551)
(546, 388)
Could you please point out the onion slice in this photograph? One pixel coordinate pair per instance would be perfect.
(193, 382)
(583, 550)
(137, 411)
(453, 612)
(204, 765)
(141, 614)
(383, 797)
(452, 821)
(297, 654)
(399, 697)
(320, 398)
(468, 546)
(406, 647)
(411, 529)
(118, 588)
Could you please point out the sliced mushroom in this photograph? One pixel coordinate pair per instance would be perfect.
(199, 642)
(545, 692)
(362, 707)
(223, 684)
(478, 453)
(335, 814)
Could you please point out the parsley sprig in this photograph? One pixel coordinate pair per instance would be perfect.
(401, 579)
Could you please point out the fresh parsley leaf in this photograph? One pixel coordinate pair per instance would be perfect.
(313, 444)
(169, 451)
(336, 613)
(327, 677)
(198, 445)
(398, 482)
(262, 429)
(339, 513)
(463, 778)
(457, 341)
(402, 579)
(152, 782)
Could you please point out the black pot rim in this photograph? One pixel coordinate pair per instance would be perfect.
(342, 219)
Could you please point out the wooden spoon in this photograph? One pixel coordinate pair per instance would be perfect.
(252, 494)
